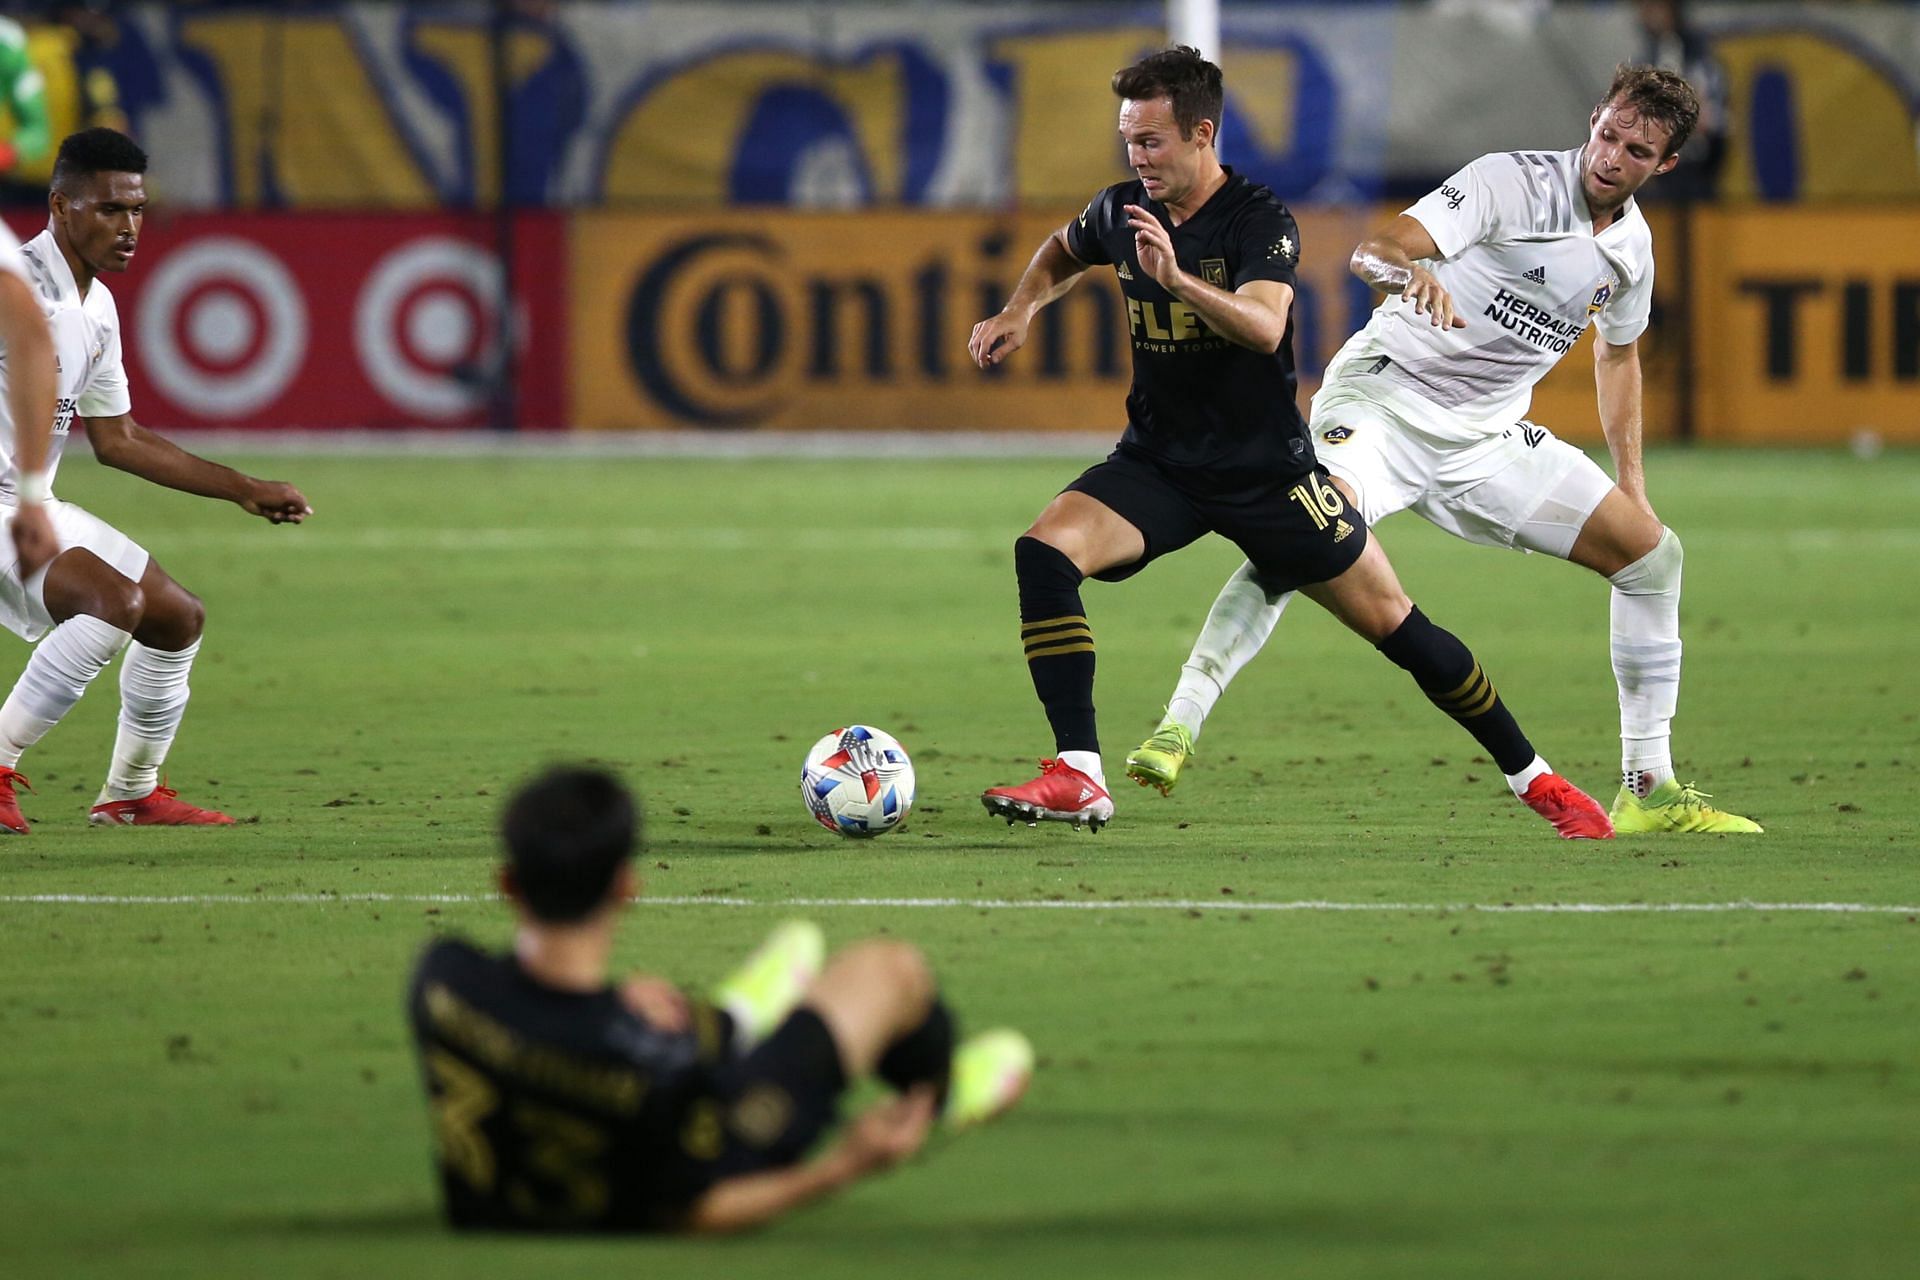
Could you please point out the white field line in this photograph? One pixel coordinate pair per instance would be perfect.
(731, 538)
(983, 904)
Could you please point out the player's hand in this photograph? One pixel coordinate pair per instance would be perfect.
(33, 539)
(1154, 247)
(663, 1005)
(888, 1132)
(276, 502)
(996, 338)
(1432, 300)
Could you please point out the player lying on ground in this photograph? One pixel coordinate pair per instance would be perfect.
(1214, 444)
(1490, 280)
(561, 1101)
(102, 592)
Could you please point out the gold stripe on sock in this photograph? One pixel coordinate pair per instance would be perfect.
(1045, 624)
(1055, 650)
(1465, 686)
(1058, 637)
(1479, 706)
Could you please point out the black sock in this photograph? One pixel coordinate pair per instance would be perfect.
(923, 1055)
(1053, 627)
(1446, 672)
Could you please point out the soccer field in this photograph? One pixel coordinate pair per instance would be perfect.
(1341, 1006)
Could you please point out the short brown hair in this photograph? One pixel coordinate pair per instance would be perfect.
(1189, 83)
(1660, 95)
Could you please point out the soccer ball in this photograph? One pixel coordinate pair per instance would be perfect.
(857, 781)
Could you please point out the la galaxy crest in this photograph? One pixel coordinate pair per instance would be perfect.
(1600, 297)
(1337, 435)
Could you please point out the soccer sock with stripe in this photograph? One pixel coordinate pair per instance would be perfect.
(62, 666)
(1059, 644)
(153, 698)
(1447, 673)
(1242, 617)
(1646, 662)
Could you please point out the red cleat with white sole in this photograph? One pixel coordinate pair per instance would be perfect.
(1060, 794)
(11, 821)
(1573, 813)
(161, 807)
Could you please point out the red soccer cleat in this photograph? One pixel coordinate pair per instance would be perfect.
(11, 823)
(1573, 813)
(1060, 794)
(161, 807)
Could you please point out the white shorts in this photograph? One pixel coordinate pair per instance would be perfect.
(23, 609)
(1524, 487)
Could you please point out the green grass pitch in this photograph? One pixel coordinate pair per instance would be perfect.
(215, 1087)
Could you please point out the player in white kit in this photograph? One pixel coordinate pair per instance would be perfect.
(102, 592)
(1490, 280)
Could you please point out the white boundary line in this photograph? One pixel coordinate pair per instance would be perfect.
(984, 904)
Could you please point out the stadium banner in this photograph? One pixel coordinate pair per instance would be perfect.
(374, 321)
(826, 321)
(976, 105)
(1807, 325)
(860, 320)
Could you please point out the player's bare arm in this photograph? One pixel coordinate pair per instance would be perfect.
(30, 398)
(125, 445)
(1616, 375)
(1254, 315)
(659, 1001)
(1389, 260)
(1052, 272)
(880, 1138)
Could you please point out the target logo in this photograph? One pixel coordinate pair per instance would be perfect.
(426, 326)
(224, 327)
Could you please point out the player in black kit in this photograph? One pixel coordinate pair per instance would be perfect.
(1214, 444)
(561, 1102)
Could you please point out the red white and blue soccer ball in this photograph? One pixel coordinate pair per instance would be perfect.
(857, 781)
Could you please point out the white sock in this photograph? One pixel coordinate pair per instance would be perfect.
(1242, 617)
(153, 697)
(1646, 662)
(1087, 762)
(1522, 780)
(64, 662)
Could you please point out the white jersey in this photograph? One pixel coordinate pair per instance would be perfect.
(92, 382)
(1527, 274)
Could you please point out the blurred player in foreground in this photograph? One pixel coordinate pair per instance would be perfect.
(564, 1102)
(1214, 444)
(1490, 280)
(103, 593)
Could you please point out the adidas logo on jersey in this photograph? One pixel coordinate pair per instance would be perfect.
(1341, 530)
(1538, 275)
(1123, 271)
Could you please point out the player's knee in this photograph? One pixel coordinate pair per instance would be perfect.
(118, 602)
(900, 968)
(1655, 573)
(1044, 561)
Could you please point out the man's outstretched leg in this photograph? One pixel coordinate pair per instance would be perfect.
(1243, 616)
(153, 698)
(1075, 536)
(1643, 561)
(1368, 599)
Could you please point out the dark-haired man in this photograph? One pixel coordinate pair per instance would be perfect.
(563, 1102)
(103, 593)
(1490, 280)
(1214, 444)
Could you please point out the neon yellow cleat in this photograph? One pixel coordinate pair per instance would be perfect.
(769, 983)
(1673, 806)
(1157, 762)
(990, 1072)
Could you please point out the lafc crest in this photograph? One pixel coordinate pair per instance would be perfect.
(1214, 272)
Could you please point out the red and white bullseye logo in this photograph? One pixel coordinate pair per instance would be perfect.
(426, 326)
(224, 327)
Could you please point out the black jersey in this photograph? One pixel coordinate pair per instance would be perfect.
(1199, 402)
(554, 1109)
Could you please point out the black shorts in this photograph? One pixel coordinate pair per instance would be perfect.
(777, 1100)
(1296, 531)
